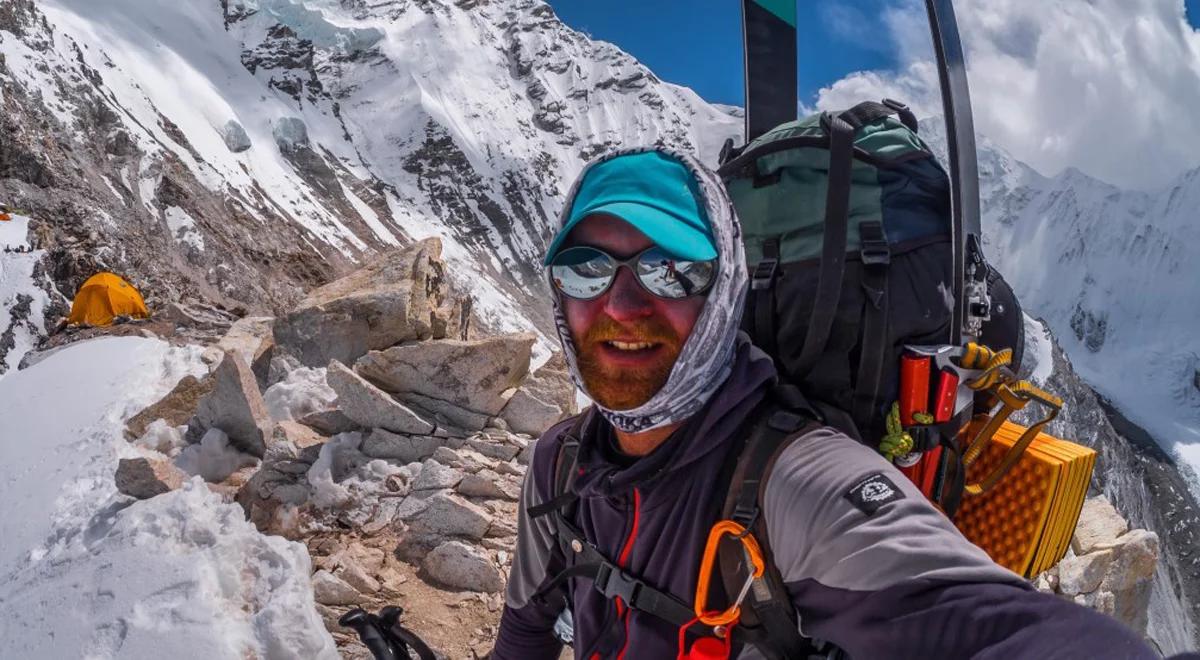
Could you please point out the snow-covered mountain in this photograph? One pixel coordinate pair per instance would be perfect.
(1116, 276)
(239, 152)
(243, 150)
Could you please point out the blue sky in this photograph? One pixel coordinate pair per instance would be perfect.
(697, 43)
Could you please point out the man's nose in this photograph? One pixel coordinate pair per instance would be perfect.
(626, 299)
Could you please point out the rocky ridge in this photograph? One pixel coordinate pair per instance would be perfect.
(396, 466)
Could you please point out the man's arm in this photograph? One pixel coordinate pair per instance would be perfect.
(527, 627)
(875, 569)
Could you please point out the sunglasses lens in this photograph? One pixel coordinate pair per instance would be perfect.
(582, 272)
(668, 277)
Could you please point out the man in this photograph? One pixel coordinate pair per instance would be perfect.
(649, 278)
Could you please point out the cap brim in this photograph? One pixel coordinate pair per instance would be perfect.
(663, 229)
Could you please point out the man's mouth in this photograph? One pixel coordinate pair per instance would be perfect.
(630, 346)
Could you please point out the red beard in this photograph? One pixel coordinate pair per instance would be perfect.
(621, 379)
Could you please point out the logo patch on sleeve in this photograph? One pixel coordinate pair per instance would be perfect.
(873, 492)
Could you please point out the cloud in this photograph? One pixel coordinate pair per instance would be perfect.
(1111, 87)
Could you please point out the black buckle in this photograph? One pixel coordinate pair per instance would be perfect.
(764, 274)
(924, 438)
(615, 583)
(874, 250)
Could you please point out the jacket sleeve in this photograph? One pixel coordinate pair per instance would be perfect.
(875, 569)
(527, 627)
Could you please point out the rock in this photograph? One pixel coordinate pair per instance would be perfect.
(403, 295)
(461, 566)
(329, 589)
(1081, 575)
(509, 468)
(435, 476)
(235, 137)
(527, 413)
(447, 456)
(544, 399)
(1099, 525)
(356, 576)
(487, 483)
(298, 434)
(459, 421)
(370, 559)
(144, 478)
(249, 337)
(1134, 556)
(496, 450)
(371, 407)
(1130, 578)
(469, 374)
(236, 406)
(290, 133)
(526, 454)
(404, 448)
(177, 407)
(450, 515)
(329, 422)
(501, 528)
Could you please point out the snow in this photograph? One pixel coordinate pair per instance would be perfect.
(183, 227)
(86, 573)
(1039, 351)
(304, 391)
(214, 458)
(370, 217)
(19, 291)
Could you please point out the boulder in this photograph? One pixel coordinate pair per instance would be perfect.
(469, 374)
(461, 566)
(1081, 575)
(1130, 577)
(401, 296)
(435, 476)
(329, 589)
(544, 399)
(459, 421)
(177, 407)
(498, 450)
(298, 434)
(236, 406)
(144, 478)
(1099, 525)
(445, 515)
(329, 422)
(489, 484)
(356, 576)
(235, 137)
(250, 338)
(371, 407)
(404, 448)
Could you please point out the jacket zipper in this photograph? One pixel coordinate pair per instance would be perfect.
(623, 563)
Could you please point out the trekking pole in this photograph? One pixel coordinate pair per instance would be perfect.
(361, 622)
(383, 635)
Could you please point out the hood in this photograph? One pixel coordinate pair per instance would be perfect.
(707, 356)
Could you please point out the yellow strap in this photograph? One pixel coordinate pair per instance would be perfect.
(1012, 399)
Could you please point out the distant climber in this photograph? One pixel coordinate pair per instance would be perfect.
(648, 278)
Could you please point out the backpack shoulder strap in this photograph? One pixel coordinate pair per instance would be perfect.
(769, 620)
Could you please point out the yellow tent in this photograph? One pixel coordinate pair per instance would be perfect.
(105, 296)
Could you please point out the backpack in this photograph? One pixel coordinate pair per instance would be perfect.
(846, 221)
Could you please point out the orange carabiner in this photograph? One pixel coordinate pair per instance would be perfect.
(734, 611)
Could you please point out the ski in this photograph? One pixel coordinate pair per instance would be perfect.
(769, 39)
(971, 304)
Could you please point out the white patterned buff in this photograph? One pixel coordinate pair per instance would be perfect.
(707, 356)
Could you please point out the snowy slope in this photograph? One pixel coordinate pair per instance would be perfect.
(1116, 275)
(87, 572)
(242, 151)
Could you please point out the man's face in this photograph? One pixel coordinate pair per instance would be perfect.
(627, 340)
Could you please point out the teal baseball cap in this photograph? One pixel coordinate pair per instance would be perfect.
(652, 191)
